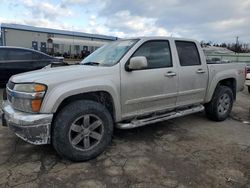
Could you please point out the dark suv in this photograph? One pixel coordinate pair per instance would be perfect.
(14, 60)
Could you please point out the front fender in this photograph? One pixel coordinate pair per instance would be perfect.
(58, 93)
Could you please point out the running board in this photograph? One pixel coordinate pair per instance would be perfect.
(157, 118)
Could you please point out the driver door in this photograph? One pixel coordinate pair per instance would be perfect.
(151, 89)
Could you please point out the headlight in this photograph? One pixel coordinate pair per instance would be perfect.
(30, 88)
(27, 97)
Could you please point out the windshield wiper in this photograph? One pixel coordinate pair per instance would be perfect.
(92, 63)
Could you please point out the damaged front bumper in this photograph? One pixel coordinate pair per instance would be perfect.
(33, 128)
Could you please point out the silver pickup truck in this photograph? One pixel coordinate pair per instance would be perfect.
(126, 83)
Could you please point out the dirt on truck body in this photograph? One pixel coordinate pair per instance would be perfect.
(125, 84)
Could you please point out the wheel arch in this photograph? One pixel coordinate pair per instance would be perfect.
(229, 82)
(102, 97)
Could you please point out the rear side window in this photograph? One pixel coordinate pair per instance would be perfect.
(157, 53)
(37, 56)
(19, 54)
(188, 53)
(42, 56)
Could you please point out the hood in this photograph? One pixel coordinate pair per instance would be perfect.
(61, 74)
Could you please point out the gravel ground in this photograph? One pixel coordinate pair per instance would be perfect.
(186, 152)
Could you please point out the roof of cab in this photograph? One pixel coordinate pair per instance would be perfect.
(161, 38)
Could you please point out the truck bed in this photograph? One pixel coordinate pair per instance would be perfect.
(221, 70)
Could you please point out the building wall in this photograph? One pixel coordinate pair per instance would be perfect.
(21, 38)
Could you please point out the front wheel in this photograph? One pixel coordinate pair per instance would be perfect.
(82, 130)
(219, 108)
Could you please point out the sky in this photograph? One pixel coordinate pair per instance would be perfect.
(208, 20)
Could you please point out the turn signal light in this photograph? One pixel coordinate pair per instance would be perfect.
(36, 105)
(39, 87)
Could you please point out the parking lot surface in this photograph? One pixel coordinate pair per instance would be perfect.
(186, 152)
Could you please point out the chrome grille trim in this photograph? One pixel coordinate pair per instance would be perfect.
(24, 95)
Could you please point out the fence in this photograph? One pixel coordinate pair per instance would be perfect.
(241, 58)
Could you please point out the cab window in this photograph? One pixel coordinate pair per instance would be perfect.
(158, 54)
(188, 53)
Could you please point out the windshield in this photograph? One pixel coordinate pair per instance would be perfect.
(110, 53)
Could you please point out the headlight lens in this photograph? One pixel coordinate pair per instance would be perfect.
(27, 97)
(30, 88)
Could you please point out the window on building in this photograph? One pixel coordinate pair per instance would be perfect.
(188, 53)
(85, 48)
(77, 48)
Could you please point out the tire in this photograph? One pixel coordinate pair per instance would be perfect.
(248, 89)
(220, 107)
(82, 130)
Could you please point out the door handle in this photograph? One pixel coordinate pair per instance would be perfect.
(200, 71)
(170, 74)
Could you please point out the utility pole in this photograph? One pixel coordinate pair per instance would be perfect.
(237, 44)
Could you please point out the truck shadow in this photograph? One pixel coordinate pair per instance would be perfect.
(24, 152)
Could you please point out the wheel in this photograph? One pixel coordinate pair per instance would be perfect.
(82, 130)
(248, 89)
(219, 108)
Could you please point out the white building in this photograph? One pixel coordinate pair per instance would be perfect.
(51, 41)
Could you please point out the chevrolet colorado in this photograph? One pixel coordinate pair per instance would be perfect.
(127, 83)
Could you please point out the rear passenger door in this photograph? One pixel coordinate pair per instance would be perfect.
(193, 74)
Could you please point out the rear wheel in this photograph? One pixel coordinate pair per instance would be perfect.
(82, 130)
(219, 108)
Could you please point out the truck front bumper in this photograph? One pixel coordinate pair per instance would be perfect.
(33, 128)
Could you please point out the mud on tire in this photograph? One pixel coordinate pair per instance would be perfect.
(82, 130)
(219, 108)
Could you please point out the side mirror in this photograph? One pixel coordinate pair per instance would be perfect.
(137, 63)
